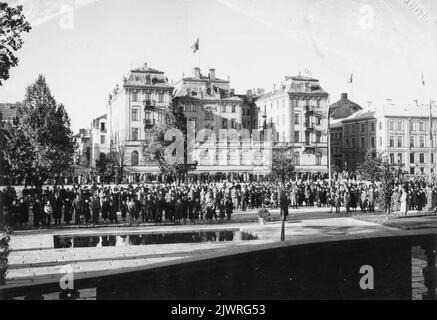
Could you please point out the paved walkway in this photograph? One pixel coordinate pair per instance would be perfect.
(34, 259)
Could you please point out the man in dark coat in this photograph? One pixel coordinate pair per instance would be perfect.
(57, 209)
(37, 213)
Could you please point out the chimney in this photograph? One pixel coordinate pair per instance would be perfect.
(416, 102)
(196, 73)
(344, 96)
(211, 74)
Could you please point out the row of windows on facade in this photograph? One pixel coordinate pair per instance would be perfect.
(233, 155)
(393, 125)
(362, 142)
(317, 119)
(224, 109)
(413, 157)
(147, 97)
(399, 142)
(351, 128)
(148, 115)
(398, 125)
(294, 104)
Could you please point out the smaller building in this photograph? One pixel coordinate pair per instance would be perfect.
(84, 148)
(99, 140)
(359, 135)
(9, 112)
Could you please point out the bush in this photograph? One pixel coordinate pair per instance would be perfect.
(4, 253)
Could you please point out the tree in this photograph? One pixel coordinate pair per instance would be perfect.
(118, 158)
(41, 145)
(155, 145)
(12, 24)
(282, 164)
(375, 167)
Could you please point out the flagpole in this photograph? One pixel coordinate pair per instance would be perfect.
(430, 139)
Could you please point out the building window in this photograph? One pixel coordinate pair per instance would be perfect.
(353, 142)
(412, 158)
(362, 142)
(392, 141)
(411, 142)
(134, 96)
(102, 126)
(134, 158)
(296, 136)
(148, 98)
(135, 115)
(318, 120)
(318, 137)
(102, 139)
(372, 126)
(422, 141)
(362, 127)
(297, 159)
(392, 158)
(233, 124)
(224, 123)
(411, 170)
(380, 125)
(400, 158)
(400, 141)
(391, 125)
(233, 109)
(380, 142)
(372, 142)
(148, 117)
(297, 118)
(421, 126)
(134, 134)
(422, 158)
(161, 97)
(318, 159)
(193, 108)
(209, 115)
(223, 109)
(400, 125)
(347, 143)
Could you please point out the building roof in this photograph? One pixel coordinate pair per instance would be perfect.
(360, 115)
(343, 108)
(8, 111)
(297, 85)
(405, 111)
(146, 69)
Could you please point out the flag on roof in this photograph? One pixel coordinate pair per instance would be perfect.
(195, 46)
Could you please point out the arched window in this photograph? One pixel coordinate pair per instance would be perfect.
(297, 158)
(134, 158)
(318, 159)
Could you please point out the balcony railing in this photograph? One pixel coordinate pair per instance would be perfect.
(149, 103)
(149, 122)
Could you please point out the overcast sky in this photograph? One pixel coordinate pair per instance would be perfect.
(84, 47)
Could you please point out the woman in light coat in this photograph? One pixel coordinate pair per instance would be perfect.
(404, 202)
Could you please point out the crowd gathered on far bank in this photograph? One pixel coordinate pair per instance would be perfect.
(200, 202)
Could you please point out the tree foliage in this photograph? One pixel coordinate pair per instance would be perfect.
(41, 145)
(155, 145)
(282, 164)
(12, 24)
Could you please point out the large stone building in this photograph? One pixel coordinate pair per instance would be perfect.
(400, 132)
(220, 116)
(296, 113)
(137, 105)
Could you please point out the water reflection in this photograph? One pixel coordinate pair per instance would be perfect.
(150, 238)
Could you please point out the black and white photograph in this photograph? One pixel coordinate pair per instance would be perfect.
(218, 154)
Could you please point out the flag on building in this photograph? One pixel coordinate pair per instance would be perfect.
(195, 46)
(351, 78)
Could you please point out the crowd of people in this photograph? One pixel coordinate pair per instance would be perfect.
(197, 202)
